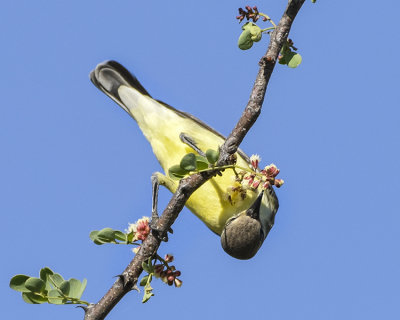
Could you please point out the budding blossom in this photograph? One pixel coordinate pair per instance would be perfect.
(141, 229)
(168, 274)
(178, 283)
(255, 160)
(170, 277)
(252, 180)
(251, 13)
(278, 183)
(271, 171)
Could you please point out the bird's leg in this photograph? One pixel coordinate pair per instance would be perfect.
(155, 183)
(185, 138)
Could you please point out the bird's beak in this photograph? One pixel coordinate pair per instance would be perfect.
(254, 210)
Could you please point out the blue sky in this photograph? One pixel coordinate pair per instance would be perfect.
(72, 161)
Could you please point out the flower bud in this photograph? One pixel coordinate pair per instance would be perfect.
(142, 228)
(164, 279)
(158, 268)
(256, 184)
(169, 258)
(266, 185)
(271, 170)
(278, 183)
(178, 283)
(170, 278)
(255, 160)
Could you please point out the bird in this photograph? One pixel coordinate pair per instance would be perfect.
(241, 217)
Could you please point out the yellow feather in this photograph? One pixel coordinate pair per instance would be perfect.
(162, 127)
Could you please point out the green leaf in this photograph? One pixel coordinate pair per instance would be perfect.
(83, 287)
(212, 156)
(45, 272)
(98, 242)
(285, 49)
(17, 283)
(74, 288)
(245, 42)
(54, 297)
(148, 267)
(44, 275)
(119, 235)
(256, 32)
(106, 235)
(129, 237)
(188, 162)
(33, 298)
(56, 279)
(251, 33)
(151, 267)
(64, 287)
(176, 172)
(145, 267)
(282, 60)
(148, 293)
(35, 284)
(201, 163)
(293, 60)
(93, 235)
(143, 282)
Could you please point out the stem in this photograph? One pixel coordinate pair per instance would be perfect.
(162, 260)
(76, 301)
(268, 18)
(266, 29)
(125, 243)
(233, 167)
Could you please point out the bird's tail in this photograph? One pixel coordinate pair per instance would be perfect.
(161, 124)
(110, 75)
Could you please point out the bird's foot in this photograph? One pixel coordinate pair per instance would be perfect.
(157, 232)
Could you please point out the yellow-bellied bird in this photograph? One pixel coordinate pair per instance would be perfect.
(242, 218)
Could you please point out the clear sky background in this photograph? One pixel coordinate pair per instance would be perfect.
(72, 161)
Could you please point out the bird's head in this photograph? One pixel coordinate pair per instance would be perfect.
(244, 233)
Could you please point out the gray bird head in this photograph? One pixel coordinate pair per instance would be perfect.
(245, 232)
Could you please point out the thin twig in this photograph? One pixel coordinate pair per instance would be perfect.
(128, 279)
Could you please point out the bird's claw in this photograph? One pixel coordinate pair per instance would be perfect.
(159, 234)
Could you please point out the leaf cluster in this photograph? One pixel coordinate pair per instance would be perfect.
(50, 287)
(291, 58)
(251, 33)
(145, 282)
(193, 163)
(109, 235)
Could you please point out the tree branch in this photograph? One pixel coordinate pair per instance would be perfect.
(128, 279)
